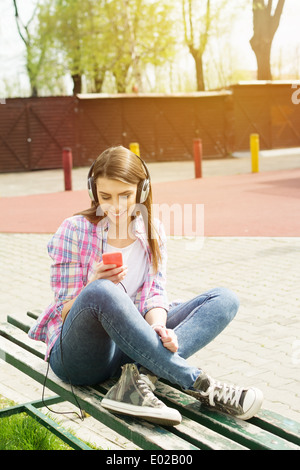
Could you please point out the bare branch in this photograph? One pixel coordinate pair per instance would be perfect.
(184, 21)
(204, 36)
(19, 22)
(191, 22)
(278, 12)
(269, 7)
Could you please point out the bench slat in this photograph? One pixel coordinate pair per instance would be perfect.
(35, 313)
(193, 432)
(190, 430)
(143, 434)
(244, 432)
(17, 336)
(21, 321)
(279, 425)
(201, 427)
(204, 437)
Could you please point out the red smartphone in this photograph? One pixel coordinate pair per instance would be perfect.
(113, 258)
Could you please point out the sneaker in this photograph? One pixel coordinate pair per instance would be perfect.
(243, 403)
(133, 395)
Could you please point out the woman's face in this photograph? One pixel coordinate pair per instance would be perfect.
(117, 199)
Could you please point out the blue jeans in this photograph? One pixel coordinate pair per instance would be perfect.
(104, 330)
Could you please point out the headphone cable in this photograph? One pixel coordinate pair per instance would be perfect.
(82, 412)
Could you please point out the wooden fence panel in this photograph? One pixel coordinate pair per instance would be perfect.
(33, 131)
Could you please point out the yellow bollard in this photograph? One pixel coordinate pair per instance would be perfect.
(254, 147)
(135, 148)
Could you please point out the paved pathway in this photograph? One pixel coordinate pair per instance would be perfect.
(260, 347)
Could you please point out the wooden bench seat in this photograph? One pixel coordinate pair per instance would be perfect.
(200, 428)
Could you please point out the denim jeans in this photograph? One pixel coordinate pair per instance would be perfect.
(104, 330)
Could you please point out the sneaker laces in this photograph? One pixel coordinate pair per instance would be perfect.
(222, 392)
(147, 388)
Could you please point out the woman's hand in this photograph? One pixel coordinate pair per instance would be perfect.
(110, 272)
(168, 338)
(103, 271)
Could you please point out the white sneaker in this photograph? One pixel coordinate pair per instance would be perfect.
(243, 403)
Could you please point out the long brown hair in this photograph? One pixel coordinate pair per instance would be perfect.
(121, 164)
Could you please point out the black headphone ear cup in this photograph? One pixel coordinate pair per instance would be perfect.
(92, 189)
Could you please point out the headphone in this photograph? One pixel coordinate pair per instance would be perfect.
(143, 187)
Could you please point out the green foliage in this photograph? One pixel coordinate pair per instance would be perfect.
(21, 432)
(124, 45)
(117, 38)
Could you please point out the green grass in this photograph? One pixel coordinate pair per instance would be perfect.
(21, 432)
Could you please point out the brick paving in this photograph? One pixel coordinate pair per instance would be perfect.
(260, 347)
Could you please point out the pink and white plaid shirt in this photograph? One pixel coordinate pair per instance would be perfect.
(76, 248)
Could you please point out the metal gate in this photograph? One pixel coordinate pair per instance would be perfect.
(266, 109)
(34, 131)
(164, 126)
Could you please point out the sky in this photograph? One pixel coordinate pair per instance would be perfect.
(286, 45)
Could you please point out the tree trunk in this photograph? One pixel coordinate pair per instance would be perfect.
(262, 50)
(34, 91)
(265, 26)
(198, 58)
(77, 83)
(196, 52)
(133, 48)
(199, 73)
(33, 82)
(98, 82)
(121, 87)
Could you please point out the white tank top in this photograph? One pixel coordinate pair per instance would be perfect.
(135, 257)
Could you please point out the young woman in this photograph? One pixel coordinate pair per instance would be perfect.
(108, 320)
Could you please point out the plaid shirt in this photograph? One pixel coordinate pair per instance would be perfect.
(76, 248)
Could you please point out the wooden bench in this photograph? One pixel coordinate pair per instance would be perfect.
(201, 428)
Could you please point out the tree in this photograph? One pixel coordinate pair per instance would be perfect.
(196, 50)
(68, 18)
(98, 40)
(265, 25)
(36, 46)
(198, 22)
(142, 33)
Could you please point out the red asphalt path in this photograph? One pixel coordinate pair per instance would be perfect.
(262, 204)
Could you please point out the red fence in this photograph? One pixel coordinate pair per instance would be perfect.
(33, 131)
(266, 109)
